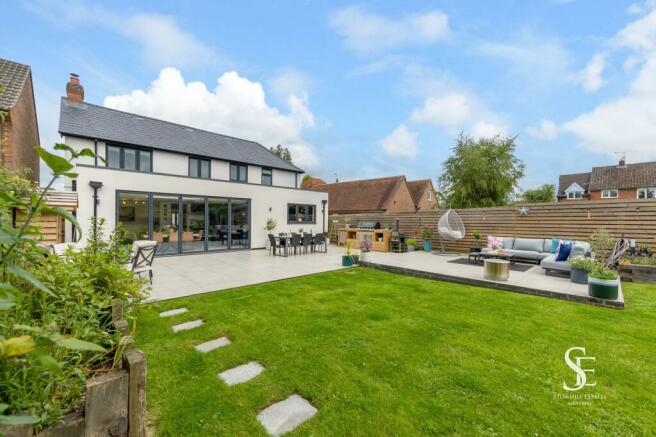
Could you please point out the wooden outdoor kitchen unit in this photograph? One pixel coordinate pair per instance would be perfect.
(371, 231)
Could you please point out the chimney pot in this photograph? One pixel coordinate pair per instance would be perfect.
(74, 91)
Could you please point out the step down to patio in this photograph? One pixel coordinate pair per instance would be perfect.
(174, 312)
(242, 373)
(212, 344)
(285, 416)
(187, 325)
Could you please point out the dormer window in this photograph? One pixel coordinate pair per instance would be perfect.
(647, 193)
(575, 195)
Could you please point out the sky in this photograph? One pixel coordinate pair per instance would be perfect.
(361, 89)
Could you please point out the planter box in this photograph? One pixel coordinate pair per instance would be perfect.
(603, 289)
(637, 273)
(411, 248)
(347, 261)
(115, 405)
(578, 276)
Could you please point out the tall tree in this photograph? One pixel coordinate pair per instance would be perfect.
(544, 194)
(306, 177)
(480, 173)
(282, 152)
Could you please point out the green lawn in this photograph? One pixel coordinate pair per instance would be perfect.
(383, 354)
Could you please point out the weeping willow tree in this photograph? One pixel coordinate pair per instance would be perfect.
(480, 173)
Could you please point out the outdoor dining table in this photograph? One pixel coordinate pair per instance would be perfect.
(287, 239)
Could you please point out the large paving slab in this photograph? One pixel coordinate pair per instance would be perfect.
(242, 373)
(212, 344)
(176, 276)
(173, 312)
(187, 325)
(285, 416)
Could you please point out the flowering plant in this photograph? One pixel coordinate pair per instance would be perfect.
(426, 233)
(365, 246)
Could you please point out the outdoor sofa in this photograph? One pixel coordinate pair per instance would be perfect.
(538, 250)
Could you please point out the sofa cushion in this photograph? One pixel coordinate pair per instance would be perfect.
(550, 263)
(526, 254)
(532, 244)
(555, 242)
(579, 248)
(508, 242)
(563, 253)
(494, 242)
(546, 246)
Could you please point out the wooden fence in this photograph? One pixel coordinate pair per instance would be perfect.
(573, 220)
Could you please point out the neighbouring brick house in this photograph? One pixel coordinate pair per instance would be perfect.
(388, 194)
(621, 181)
(19, 131)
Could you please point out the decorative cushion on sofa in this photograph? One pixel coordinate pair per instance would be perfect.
(508, 242)
(555, 242)
(563, 252)
(546, 245)
(494, 242)
(532, 244)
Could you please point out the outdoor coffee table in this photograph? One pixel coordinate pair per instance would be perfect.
(482, 256)
(496, 269)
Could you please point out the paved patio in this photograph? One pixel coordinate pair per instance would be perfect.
(178, 276)
(532, 281)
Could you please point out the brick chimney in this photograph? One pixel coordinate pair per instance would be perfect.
(622, 163)
(74, 91)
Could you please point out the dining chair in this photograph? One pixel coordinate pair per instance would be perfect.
(320, 243)
(142, 261)
(307, 242)
(295, 242)
(275, 244)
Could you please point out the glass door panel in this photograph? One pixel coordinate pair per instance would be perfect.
(133, 214)
(193, 224)
(165, 223)
(240, 232)
(217, 229)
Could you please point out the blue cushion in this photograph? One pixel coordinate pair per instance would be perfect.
(563, 253)
(554, 245)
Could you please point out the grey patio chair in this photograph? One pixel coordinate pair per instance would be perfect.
(142, 261)
(320, 243)
(275, 244)
(295, 242)
(307, 242)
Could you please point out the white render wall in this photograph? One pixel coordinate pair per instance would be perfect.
(266, 202)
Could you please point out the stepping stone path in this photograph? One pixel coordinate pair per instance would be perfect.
(174, 312)
(187, 325)
(286, 415)
(212, 344)
(242, 373)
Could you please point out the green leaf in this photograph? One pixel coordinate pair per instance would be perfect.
(7, 238)
(64, 147)
(56, 163)
(70, 175)
(6, 304)
(18, 420)
(17, 271)
(78, 345)
(87, 152)
(16, 346)
(66, 214)
(50, 363)
(3, 407)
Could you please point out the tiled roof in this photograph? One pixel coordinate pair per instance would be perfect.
(361, 196)
(565, 180)
(637, 175)
(418, 188)
(93, 121)
(316, 184)
(12, 77)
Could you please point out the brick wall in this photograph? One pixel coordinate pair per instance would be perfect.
(425, 204)
(24, 134)
(630, 194)
(400, 200)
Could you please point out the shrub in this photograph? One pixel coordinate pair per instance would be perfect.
(426, 233)
(600, 271)
(581, 263)
(602, 244)
(411, 242)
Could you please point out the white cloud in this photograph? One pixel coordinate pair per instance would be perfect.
(591, 76)
(367, 32)
(401, 142)
(446, 111)
(641, 8)
(626, 123)
(161, 40)
(532, 58)
(290, 82)
(236, 107)
(547, 130)
(487, 129)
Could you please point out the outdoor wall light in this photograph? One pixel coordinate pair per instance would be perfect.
(96, 186)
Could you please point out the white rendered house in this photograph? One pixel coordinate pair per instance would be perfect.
(188, 189)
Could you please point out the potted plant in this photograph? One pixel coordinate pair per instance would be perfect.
(476, 235)
(347, 260)
(426, 234)
(603, 282)
(581, 266)
(270, 227)
(410, 244)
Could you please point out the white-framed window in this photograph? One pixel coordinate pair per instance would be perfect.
(575, 194)
(647, 193)
(430, 195)
(611, 193)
